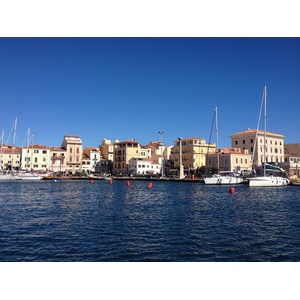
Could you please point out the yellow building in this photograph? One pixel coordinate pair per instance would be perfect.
(194, 152)
(123, 152)
(73, 146)
(107, 149)
(274, 145)
(9, 156)
(230, 159)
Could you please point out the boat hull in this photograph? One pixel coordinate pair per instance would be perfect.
(223, 180)
(268, 181)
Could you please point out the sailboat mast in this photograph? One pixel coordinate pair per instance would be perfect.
(217, 138)
(14, 141)
(265, 127)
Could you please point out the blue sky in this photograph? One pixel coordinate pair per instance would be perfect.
(131, 88)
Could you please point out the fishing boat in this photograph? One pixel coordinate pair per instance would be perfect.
(221, 178)
(267, 180)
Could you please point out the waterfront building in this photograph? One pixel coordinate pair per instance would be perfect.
(9, 157)
(274, 145)
(292, 159)
(230, 160)
(138, 165)
(107, 149)
(194, 152)
(91, 157)
(58, 159)
(73, 146)
(123, 152)
(35, 157)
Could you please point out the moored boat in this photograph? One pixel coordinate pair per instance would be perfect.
(266, 180)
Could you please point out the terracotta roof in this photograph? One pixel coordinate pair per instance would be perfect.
(253, 131)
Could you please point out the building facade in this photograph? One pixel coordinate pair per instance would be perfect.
(123, 152)
(247, 140)
(91, 158)
(230, 160)
(10, 156)
(73, 146)
(58, 159)
(35, 157)
(138, 165)
(194, 152)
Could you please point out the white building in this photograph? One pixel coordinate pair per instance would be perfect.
(36, 157)
(91, 157)
(139, 165)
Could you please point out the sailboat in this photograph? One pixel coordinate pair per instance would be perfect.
(217, 178)
(265, 181)
(28, 175)
(10, 174)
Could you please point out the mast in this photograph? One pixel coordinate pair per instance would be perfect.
(265, 127)
(217, 137)
(14, 141)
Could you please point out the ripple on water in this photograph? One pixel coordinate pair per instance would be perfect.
(79, 221)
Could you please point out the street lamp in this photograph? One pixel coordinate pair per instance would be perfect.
(162, 159)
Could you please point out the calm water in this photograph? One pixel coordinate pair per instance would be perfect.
(80, 221)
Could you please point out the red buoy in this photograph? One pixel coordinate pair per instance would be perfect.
(128, 183)
(92, 181)
(150, 185)
(193, 177)
(110, 181)
(231, 190)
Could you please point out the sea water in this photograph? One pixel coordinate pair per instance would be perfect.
(76, 221)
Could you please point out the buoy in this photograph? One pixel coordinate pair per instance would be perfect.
(193, 177)
(150, 185)
(92, 181)
(128, 183)
(110, 181)
(231, 190)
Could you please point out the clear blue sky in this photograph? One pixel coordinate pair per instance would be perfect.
(131, 88)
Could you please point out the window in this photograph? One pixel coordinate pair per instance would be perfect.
(44, 151)
(36, 151)
(251, 141)
(241, 161)
(70, 150)
(236, 142)
(35, 160)
(243, 141)
(77, 150)
(237, 160)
